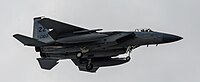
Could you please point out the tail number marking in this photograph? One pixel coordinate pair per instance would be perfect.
(41, 29)
(43, 36)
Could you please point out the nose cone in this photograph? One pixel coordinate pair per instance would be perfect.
(170, 38)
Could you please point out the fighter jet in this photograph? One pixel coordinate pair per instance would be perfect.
(88, 49)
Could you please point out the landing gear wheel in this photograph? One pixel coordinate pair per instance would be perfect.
(79, 55)
(89, 67)
(128, 58)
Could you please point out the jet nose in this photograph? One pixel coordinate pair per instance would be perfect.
(170, 38)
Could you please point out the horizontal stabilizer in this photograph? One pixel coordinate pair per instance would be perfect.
(28, 41)
(47, 63)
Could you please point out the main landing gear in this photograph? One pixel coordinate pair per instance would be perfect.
(79, 55)
(89, 65)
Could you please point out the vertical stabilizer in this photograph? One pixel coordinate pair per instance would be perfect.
(39, 32)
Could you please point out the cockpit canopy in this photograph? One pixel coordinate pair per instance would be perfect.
(143, 30)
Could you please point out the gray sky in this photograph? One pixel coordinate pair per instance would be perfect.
(173, 62)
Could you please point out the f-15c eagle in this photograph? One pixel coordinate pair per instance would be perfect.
(88, 49)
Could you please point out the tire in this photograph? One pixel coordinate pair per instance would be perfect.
(128, 58)
(89, 67)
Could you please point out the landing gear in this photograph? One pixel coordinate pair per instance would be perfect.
(128, 58)
(89, 65)
(128, 51)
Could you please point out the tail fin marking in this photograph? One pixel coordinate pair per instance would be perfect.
(40, 33)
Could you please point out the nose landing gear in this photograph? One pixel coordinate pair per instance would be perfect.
(128, 58)
(128, 51)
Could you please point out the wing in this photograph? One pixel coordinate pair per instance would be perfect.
(59, 28)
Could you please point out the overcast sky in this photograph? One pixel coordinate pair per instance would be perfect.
(173, 62)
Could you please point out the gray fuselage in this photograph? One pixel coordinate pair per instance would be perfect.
(107, 46)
